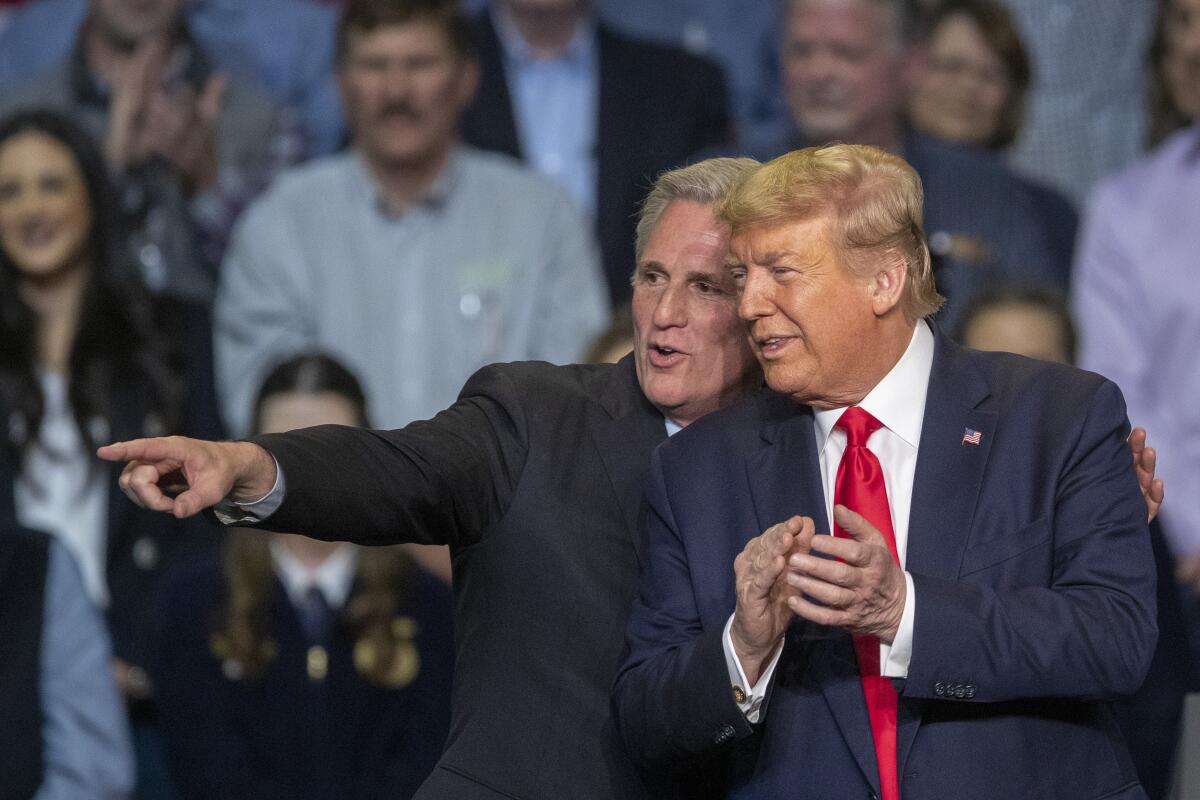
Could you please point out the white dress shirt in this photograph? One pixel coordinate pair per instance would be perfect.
(334, 576)
(61, 491)
(898, 402)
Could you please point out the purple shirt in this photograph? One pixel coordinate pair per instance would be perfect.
(1137, 301)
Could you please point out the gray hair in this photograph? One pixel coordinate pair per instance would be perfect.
(908, 18)
(708, 181)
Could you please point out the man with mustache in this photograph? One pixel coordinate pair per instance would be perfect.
(412, 257)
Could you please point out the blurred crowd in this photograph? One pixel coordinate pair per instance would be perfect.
(225, 217)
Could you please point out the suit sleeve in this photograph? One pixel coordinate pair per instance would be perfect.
(438, 481)
(1089, 631)
(672, 699)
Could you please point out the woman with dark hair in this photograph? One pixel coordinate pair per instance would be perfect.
(976, 80)
(972, 89)
(300, 668)
(85, 356)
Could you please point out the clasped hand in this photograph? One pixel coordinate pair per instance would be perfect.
(787, 572)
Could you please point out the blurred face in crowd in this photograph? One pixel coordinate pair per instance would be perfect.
(45, 213)
(288, 411)
(1026, 330)
(1181, 59)
(813, 321)
(404, 88)
(962, 90)
(843, 64)
(127, 22)
(690, 347)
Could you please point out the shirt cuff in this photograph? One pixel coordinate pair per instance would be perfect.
(749, 698)
(895, 658)
(232, 512)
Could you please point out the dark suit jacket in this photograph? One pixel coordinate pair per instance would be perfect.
(534, 479)
(657, 107)
(1034, 586)
(284, 736)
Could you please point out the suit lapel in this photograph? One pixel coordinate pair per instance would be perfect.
(625, 434)
(947, 481)
(785, 479)
(490, 121)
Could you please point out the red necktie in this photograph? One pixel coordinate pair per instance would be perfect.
(860, 488)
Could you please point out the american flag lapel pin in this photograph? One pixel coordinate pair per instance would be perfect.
(971, 436)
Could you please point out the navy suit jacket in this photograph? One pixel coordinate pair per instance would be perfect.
(1034, 585)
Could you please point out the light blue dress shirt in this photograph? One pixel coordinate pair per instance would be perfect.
(555, 106)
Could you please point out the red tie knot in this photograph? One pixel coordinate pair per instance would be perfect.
(858, 425)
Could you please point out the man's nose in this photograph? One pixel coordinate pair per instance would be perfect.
(671, 309)
(754, 301)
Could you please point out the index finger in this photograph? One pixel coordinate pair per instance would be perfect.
(158, 449)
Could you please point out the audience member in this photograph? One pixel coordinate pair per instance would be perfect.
(298, 668)
(191, 146)
(1086, 116)
(411, 258)
(1138, 250)
(846, 66)
(742, 37)
(972, 88)
(600, 113)
(1027, 321)
(65, 729)
(1136, 298)
(284, 46)
(86, 356)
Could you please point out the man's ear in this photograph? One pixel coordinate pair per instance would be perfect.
(887, 285)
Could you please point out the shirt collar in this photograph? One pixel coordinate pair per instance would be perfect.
(437, 197)
(897, 401)
(333, 576)
(578, 52)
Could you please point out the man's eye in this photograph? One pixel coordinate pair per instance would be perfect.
(704, 287)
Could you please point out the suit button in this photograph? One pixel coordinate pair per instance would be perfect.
(970, 691)
(724, 734)
(939, 689)
(960, 691)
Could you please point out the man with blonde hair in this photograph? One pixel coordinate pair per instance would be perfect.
(989, 585)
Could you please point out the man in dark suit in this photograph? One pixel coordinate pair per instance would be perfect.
(534, 479)
(990, 583)
(601, 113)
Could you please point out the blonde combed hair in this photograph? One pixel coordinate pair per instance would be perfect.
(873, 198)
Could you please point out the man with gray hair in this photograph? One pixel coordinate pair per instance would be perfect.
(534, 480)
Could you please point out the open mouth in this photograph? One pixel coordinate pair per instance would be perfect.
(662, 356)
(770, 345)
(38, 233)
